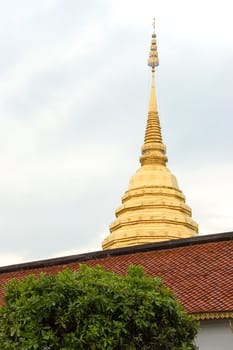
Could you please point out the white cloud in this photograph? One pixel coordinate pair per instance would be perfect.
(67, 174)
(10, 259)
(42, 59)
(209, 193)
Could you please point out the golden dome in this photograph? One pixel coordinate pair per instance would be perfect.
(153, 208)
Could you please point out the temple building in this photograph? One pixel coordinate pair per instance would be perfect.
(154, 229)
(153, 208)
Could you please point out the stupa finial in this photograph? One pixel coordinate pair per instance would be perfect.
(153, 60)
(153, 150)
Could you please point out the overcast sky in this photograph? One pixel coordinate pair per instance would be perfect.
(74, 94)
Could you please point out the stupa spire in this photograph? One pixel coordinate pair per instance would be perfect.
(153, 208)
(153, 62)
(153, 150)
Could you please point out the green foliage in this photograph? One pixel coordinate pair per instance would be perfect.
(94, 309)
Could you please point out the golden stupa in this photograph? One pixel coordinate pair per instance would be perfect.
(153, 208)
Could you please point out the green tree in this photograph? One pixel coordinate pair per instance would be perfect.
(94, 309)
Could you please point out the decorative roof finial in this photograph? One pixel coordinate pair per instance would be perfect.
(153, 25)
(153, 60)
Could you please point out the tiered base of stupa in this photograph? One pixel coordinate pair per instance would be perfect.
(151, 213)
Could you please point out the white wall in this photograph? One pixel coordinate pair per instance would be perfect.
(215, 335)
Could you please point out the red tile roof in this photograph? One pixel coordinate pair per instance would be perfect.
(198, 270)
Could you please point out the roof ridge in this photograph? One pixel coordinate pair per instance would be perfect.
(210, 238)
